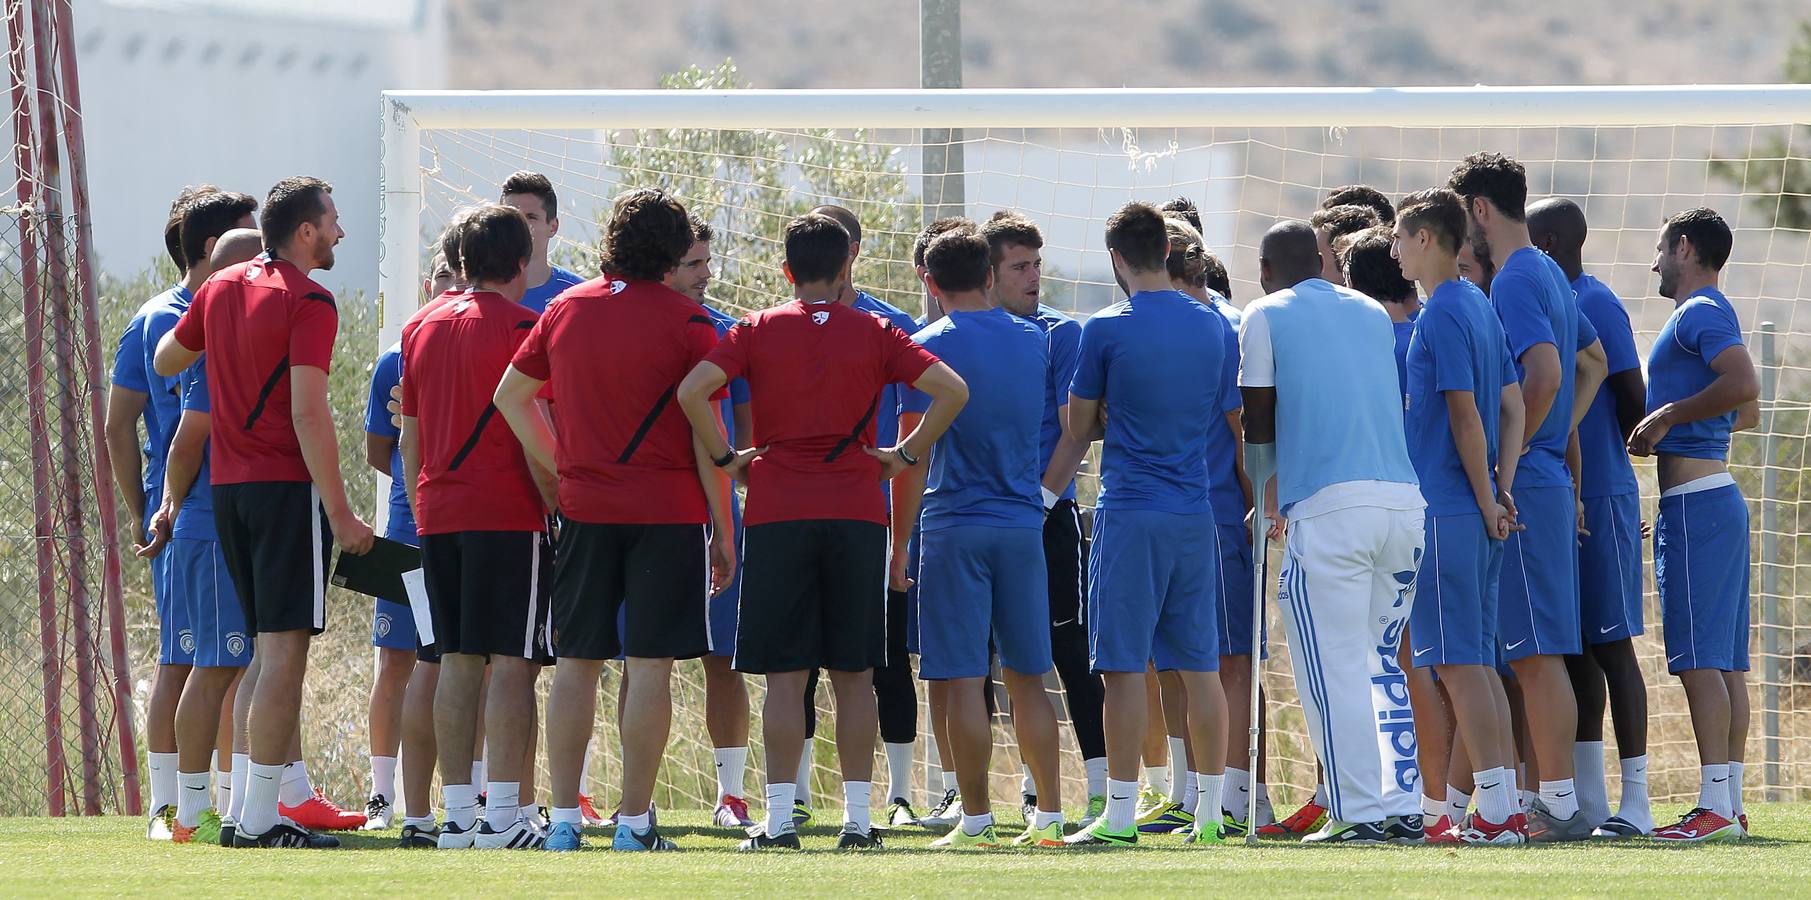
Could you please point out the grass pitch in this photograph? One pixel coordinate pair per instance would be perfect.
(68, 857)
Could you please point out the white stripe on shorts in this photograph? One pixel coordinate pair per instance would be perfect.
(318, 560)
(534, 591)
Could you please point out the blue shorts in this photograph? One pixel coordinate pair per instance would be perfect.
(1153, 588)
(721, 610)
(1235, 593)
(175, 633)
(1609, 569)
(393, 626)
(912, 558)
(1537, 611)
(1701, 567)
(216, 633)
(1454, 621)
(982, 582)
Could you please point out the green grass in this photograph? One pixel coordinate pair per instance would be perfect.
(109, 856)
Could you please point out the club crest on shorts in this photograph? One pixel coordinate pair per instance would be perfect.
(186, 640)
(235, 644)
(382, 626)
(820, 317)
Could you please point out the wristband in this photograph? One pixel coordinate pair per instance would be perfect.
(724, 460)
(1050, 498)
(910, 460)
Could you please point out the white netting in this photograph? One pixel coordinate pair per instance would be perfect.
(748, 183)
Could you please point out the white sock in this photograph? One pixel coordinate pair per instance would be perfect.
(1635, 808)
(1157, 778)
(478, 771)
(585, 766)
(636, 823)
(857, 796)
(461, 802)
(1457, 802)
(502, 803)
(223, 787)
(1560, 797)
(1588, 774)
(1042, 819)
(427, 821)
(295, 789)
(973, 825)
(567, 814)
(214, 760)
(383, 777)
(1096, 770)
(1178, 768)
(191, 798)
(1713, 790)
(899, 771)
(1265, 814)
(1191, 789)
(1432, 808)
(1122, 803)
(732, 762)
(779, 806)
(1495, 792)
(1320, 796)
(163, 779)
(1207, 790)
(803, 779)
(261, 790)
(1027, 786)
(933, 772)
(1735, 788)
(949, 782)
(242, 770)
(1236, 793)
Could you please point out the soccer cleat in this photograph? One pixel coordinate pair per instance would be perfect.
(563, 837)
(228, 828)
(1150, 798)
(1310, 818)
(1028, 806)
(1699, 826)
(759, 839)
(1231, 827)
(900, 813)
(957, 839)
(1742, 820)
(206, 831)
(415, 837)
(521, 834)
(1355, 833)
(588, 813)
(853, 838)
(452, 837)
(1198, 836)
(1097, 807)
(946, 814)
(640, 841)
(1509, 833)
(541, 817)
(801, 815)
(1616, 828)
(161, 824)
(1164, 818)
(1545, 828)
(1049, 836)
(377, 813)
(285, 833)
(1405, 829)
(1099, 835)
(318, 813)
(732, 812)
(1443, 832)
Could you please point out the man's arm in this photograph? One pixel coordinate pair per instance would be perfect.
(124, 406)
(908, 499)
(515, 399)
(1512, 425)
(1540, 384)
(188, 448)
(1734, 386)
(1589, 368)
(172, 357)
(410, 443)
(1629, 393)
(1748, 416)
(321, 451)
(1474, 457)
(949, 393)
(717, 491)
(377, 451)
(694, 396)
(546, 481)
(1235, 424)
(743, 415)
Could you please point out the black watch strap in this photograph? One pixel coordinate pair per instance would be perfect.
(910, 460)
(728, 457)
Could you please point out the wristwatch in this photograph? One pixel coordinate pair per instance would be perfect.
(728, 457)
(910, 460)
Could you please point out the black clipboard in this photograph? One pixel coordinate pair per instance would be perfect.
(379, 572)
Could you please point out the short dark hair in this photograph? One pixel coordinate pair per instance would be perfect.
(1183, 208)
(1185, 262)
(526, 182)
(647, 235)
(172, 226)
(494, 243)
(292, 202)
(1440, 211)
(1362, 195)
(1495, 177)
(210, 216)
(930, 233)
(1215, 274)
(1137, 231)
(701, 230)
(1371, 269)
(451, 237)
(1339, 221)
(1709, 234)
(959, 259)
(843, 217)
(1007, 228)
(817, 246)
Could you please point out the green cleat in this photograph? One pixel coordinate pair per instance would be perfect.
(801, 815)
(208, 830)
(1164, 818)
(957, 839)
(1049, 836)
(1231, 827)
(1201, 837)
(1099, 835)
(1097, 807)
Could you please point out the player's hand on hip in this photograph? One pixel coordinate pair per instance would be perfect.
(738, 467)
(891, 463)
(353, 534)
(160, 535)
(723, 562)
(1651, 431)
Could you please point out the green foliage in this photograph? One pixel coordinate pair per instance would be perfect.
(1775, 175)
(748, 184)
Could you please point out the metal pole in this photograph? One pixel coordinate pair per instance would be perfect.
(1770, 567)
(399, 242)
(940, 66)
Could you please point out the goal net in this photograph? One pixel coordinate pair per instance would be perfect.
(747, 161)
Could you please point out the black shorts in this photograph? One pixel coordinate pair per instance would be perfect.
(489, 592)
(814, 595)
(1065, 571)
(657, 576)
(276, 542)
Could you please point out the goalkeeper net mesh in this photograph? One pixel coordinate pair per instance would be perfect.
(748, 183)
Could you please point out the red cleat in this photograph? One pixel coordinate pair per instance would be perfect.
(1742, 820)
(1510, 833)
(1698, 826)
(588, 813)
(318, 813)
(1307, 819)
(1443, 832)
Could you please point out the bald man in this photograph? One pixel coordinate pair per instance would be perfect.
(1609, 548)
(1323, 414)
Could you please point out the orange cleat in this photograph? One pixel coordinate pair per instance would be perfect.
(318, 813)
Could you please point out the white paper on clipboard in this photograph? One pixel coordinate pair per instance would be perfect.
(415, 583)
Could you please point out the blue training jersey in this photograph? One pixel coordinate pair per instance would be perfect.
(1223, 490)
(1679, 366)
(985, 469)
(886, 428)
(1458, 345)
(1065, 339)
(558, 280)
(1404, 330)
(132, 369)
(384, 376)
(1605, 470)
(1535, 304)
(1155, 360)
(196, 521)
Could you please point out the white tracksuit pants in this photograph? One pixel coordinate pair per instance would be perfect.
(1348, 584)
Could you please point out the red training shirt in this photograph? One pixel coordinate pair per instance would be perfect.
(614, 352)
(474, 474)
(257, 320)
(815, 372)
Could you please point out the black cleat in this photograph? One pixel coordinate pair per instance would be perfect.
(759, 839)
(1360, 833)
(1405, 829)
(285, 834)
(415, 837)
(853, 838)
